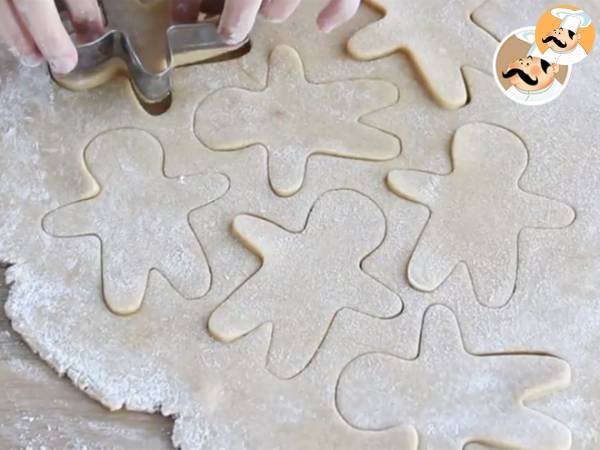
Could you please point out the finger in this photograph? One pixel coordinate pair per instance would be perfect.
(87, 18)
(43, 22)
(237, 19)
(15, 36)
(336, 13)
(185, 11)
(278, 10)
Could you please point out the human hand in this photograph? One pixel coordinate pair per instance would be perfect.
(238, 16)
(33, 30)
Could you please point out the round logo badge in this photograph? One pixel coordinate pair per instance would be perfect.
(565, 35)
(532, 65)
(523, 75)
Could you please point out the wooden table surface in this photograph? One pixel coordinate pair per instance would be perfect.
(40, 411)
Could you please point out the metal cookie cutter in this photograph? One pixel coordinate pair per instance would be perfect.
(186, 44)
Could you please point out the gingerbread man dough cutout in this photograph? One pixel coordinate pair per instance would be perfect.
(439, 36)
(294, 118)
(477, 213)
(306, 278)
(454, 398)
(140, 217)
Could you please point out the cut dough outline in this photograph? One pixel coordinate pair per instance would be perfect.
(527, 396)
(518, 237)
(298, 231)
(96, 190)
(265, 86)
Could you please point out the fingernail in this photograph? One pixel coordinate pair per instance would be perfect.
(231, 37)
(326, 26)
(63, 64)
(273, 18)
(31, 60)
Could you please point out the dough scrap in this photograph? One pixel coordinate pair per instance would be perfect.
(379, 391)
(488, 163)
(306, 278)
(140, 218)
(295, 118)
(438, 35)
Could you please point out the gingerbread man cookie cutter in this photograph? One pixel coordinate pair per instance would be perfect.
(187, 44)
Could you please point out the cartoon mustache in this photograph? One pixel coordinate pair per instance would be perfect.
(556, 41)
(526, 78)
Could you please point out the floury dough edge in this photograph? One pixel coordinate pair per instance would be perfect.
(162, 359)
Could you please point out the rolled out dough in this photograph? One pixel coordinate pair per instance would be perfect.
(225, 394)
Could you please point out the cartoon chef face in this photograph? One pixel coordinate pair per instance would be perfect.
(562, 40)
(531, 73)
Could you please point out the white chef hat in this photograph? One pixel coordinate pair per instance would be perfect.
(528, 35)
(572, 20)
